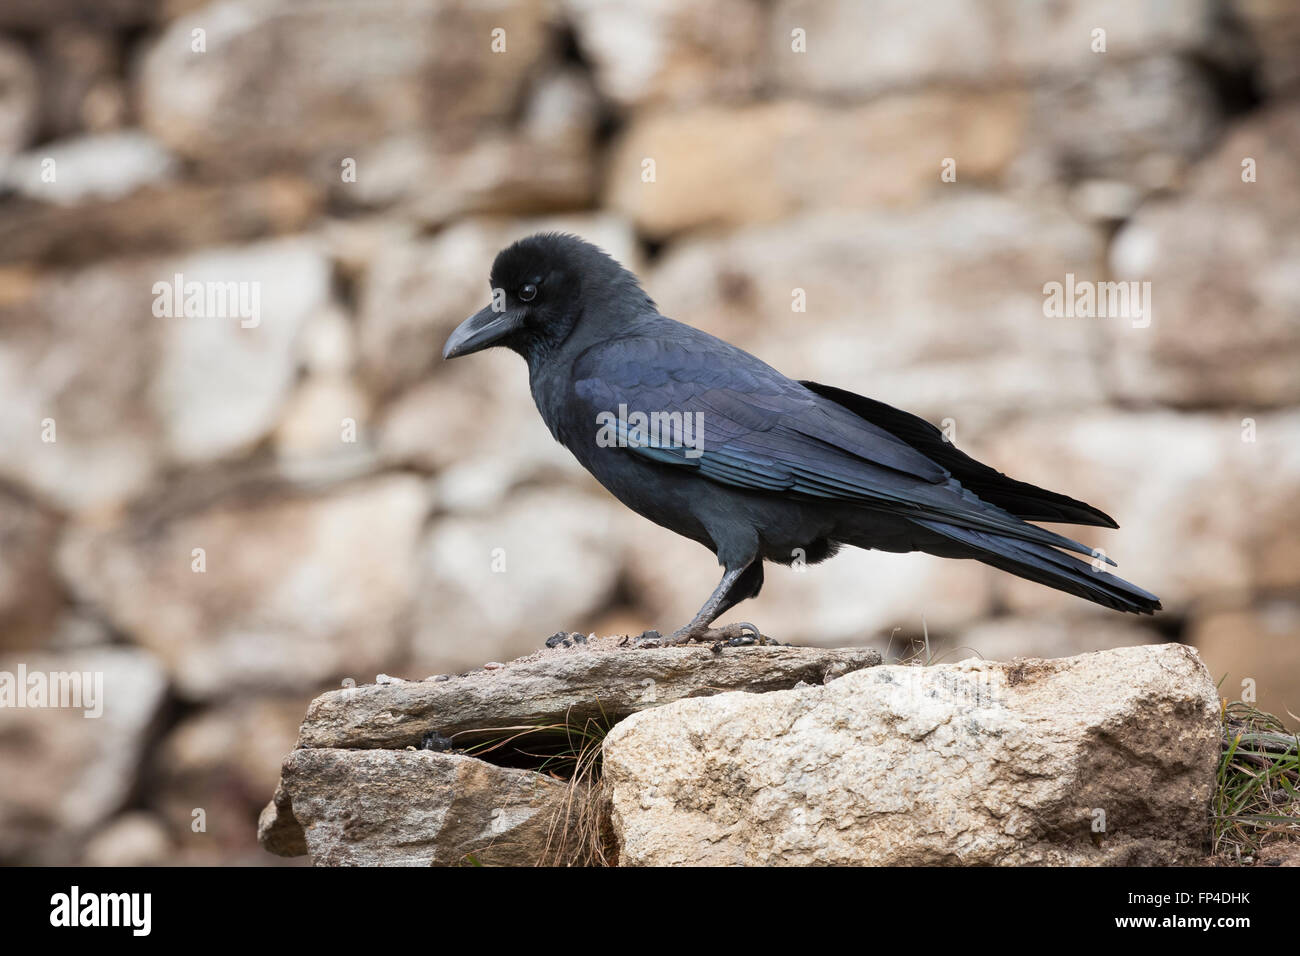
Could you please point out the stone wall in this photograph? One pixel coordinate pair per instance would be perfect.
(226, 515)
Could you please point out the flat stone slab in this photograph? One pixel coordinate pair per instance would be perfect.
(595, 681)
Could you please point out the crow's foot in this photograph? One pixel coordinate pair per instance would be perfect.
(736, 635)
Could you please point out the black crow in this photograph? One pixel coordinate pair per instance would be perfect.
(709, 441)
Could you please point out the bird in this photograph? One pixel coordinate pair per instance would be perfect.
(709, 441)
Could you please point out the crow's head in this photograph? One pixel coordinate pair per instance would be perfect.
(541, 287)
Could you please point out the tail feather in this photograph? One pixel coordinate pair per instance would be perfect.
(1045, 565)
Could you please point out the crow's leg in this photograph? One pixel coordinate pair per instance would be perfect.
(736, 585)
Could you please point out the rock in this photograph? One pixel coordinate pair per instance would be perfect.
(486, 582)
(65, 771)
(315, 420)
(133, 839)
(82, 78)
(676, 51)
(1106, 758)
(596, 681)
(889, 151)
(105, 166)
(160, 220)
(546, 165)
(83, 433)
(29, 589)
(222, 381)
(417, 808)
(1204, 514)
(862, 48)
(296, 590)
(278, 831)
(216, 766)
(423, 65)
(77, 431)
(1274, 28)
(1141, 121)
(1253, 647)
(41, 14)
(1225, 328)
(19, 99)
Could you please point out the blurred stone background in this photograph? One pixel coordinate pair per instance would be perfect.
(223, 155)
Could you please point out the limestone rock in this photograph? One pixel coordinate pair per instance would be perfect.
(1274, 26)
(417, 808)
(857, 47)
(545, 559)
(725, 167)
(133, 839)
(1221, 262)
(222, 760)
(19, 99)
(105, 166)
(156, 219)
(556, 686)
(29, 589)
(42, 14)
(65, 772)
(1106, 758)
(83, 433)
(272, 66)
(675, 51)
(294, 590)
(1142, 121)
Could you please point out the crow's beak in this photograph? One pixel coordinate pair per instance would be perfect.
(480, 330)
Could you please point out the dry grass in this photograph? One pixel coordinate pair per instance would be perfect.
(579, 833)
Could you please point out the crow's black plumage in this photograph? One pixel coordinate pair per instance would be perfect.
(753, 465)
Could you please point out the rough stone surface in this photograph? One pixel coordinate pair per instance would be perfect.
(158, 219)
(19, 99)
(676, 51)
(503, 570)
(406, 67)
(1106, 758)
(857, 47)
(66, 773)
(105, 166)
(560, 685)
(416, 808)
(84, 433)
(718, 167)
(1274, 26)
(268, 612)
(1222, 262)
(29, 590)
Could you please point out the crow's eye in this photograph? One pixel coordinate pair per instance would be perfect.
(528, 292)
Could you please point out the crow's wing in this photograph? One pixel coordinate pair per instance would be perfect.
(1018, 497)
(754, 428)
